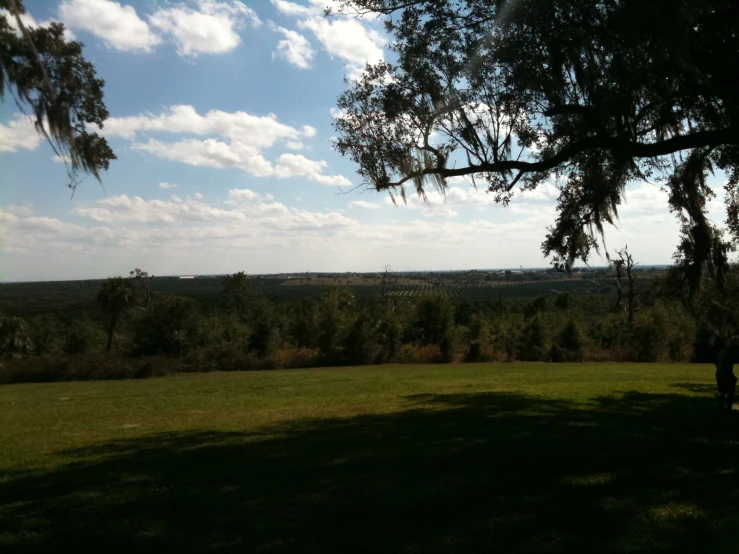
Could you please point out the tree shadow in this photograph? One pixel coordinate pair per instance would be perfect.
(454, 473)
(696, 387)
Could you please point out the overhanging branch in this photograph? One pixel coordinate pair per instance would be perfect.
(627, 148)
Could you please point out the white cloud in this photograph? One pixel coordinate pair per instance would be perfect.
(291, 165)
(124, 209)
(187, 235)
(19, 134)
(167, 185)
(309, 131)
(331, 180)
(198, 196)
(291, 8)
(248, 135)
(210, 153)
(347, 39)
(118, 26)
(351, 39)
(254, 130)
(28, 21)
(295, 48)
(210, 29)
(364, 204)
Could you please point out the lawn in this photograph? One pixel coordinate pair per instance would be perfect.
(519, 458)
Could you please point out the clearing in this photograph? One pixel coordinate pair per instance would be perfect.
(516, 458)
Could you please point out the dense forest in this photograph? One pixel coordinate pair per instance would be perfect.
(131, 327)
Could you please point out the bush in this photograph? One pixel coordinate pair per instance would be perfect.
(222, 357)
(569, 346)
(171, 328)
(360, 345)
(647, 339)
(418, 354)
(15, 337)
(44, 369)
(83, 337)
(532, 341)
(447, 348)
(435, 318)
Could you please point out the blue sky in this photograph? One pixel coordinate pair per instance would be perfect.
(221, 120)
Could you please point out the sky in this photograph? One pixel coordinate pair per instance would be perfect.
(221, 118)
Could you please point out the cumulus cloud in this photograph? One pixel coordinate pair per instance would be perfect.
(186, 235)
(118, 26)
(309, 131)
(247, 136)
(351, 39)
(457, 196)
(30, 22)
(19, 134)
(347, 39)
(364, 205)
(209, 29)
(257, 131)
(210, 153)
(295, 49)
(125, 209)
(167, 186)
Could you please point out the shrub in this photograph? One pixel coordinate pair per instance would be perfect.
(418, 354)
(222, 357)
(569, 346)
(647, 339)
(170, 328)
(360, 345)
(15, 337)
(43, 369)
(532, 341)
(435, 318)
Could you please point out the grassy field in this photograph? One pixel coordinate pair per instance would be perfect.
(454, 459)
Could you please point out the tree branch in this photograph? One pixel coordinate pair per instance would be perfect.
(631, 149)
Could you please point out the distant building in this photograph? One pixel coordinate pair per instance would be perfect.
(187, 276)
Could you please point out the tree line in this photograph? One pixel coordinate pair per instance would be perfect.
(141, 331)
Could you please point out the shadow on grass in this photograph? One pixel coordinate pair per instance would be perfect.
(457, 474)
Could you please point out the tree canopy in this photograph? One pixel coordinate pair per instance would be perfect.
(48, 74)
(588, 94)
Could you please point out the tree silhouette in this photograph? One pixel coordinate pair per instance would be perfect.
(237, 290)
(589, 94)
(116, 295)
(48, 74)
(144, 279)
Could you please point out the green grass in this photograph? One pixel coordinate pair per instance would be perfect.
(455, 459)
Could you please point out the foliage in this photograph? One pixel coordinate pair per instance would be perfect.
(81, 337)
(569, 345)
(593, 93)
(15, 337)
(535, 307)
(533, 341)
(435, 318)
(116, 296)
(172, 328)
(336, 317)
(205, 334)
(48, 74)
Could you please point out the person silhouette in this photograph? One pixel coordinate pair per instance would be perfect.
(725, 378)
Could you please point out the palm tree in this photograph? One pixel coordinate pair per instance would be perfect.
(116, 295)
